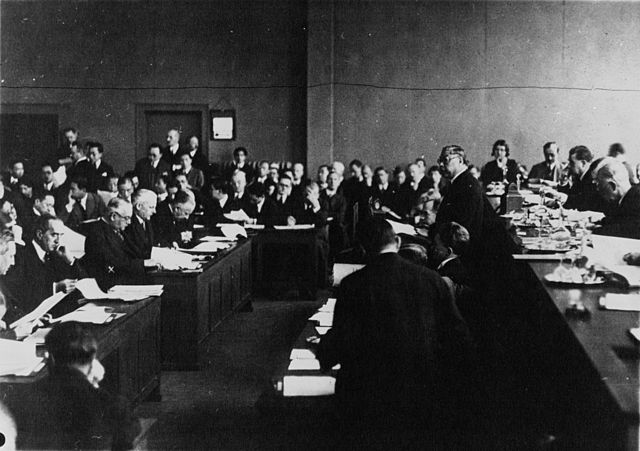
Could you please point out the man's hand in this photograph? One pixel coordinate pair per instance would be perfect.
(291, 221)
(66, 256)
(66, 285)
(632, 258)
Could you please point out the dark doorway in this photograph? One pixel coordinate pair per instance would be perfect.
(31, 137)
(154, 121)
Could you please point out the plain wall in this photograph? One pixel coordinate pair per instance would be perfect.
(413, 76)
(99, 59)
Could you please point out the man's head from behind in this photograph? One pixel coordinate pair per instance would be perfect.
(376, 236)
(119, 214)
(144, 203)
(449, 239)
(257, 193)
(612, 179)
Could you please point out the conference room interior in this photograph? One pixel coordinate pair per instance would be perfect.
(314, 82)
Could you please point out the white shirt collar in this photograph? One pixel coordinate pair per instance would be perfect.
(458, 174)
(259, 205)
(36, 212)
(224, 200)
(174, 148)
(83, 201)
(447, 260)
(41, 252)
(79, 160)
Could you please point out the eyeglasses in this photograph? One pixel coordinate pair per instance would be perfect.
(126, 218)
(447, 159)
(285, 185)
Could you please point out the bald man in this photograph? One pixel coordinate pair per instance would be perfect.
(106, 256)
(612, 184)
(139, 236)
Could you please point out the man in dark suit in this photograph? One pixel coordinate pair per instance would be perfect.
(612, 183)
(80, 165)
(14, 175)
(286, 205)
(217, 203)
(335, 205)
(81, 206)
(582, 194)
(43, 203)
(464, 200)
(385, 193)
(549, 171)
(100, 171)
(262, 206)
(139, 236)
(107, 258)
(172, 153)
(173, 224)
(394, 325)
(150, 169)
(239, 198)
(240, 155)
(43, 267)
(200, 160)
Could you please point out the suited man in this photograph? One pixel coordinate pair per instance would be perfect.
(139, 236)
(81, 205)
(172, 153)
(42, 267)
(107, 256)
(394, 323)
(15, 174)
(549, 171)
(173, 223)
(217, 203)
(286, 205)
(385, 192)
(100, 171)
(239, 198)
(200, 160)
(335, 205)
(80, 165)
(262, 206)
(582, 194)
(240, 155)
(150, 169)
(464, 200)
(299, 181)
(43, 203)
(612, 183)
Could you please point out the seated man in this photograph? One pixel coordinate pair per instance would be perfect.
(81, 205)
(138, 235)
(74, 411)
(125, 188)
(286, 204)
(548, 172)
(612, 183)
(262, 206)
(173, 224)
(43, 203)
(195, 177)
(43, 267)
(335, 205)
(450, 241)
(217, 203)
(394, 325)
(107, 258)
(151, 168)
(100, 171)
(239, 198)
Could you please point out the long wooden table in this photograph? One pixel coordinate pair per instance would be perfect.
(599, 355)
(129, 349)
(195, 302)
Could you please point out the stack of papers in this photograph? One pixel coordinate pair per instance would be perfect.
(18, 358)
(294, 227)
(237, 215)
(129, 293)
(399, 227)
(207, 247)
(40, 310)
(218, 239)
(308, 386)
(172, 259)
(323, 318)
(73, 242)
(626, 302)
(90, 313)
(254, 226)
(90, 290)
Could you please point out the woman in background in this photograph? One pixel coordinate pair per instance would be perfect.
(502, 168)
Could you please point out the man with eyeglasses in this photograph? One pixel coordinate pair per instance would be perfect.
(464, 201)
(286, 204)
(106, 256)
(43, 267)
(173, 222)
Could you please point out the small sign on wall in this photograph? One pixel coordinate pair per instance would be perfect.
(223, 125)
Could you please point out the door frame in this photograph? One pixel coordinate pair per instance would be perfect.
(141, 123)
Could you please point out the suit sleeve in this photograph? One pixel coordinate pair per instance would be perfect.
(336, 342)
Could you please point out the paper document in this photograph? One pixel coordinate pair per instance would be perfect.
(206, 247)
(254, 226)
(635, 332)
(90, 313)
(173, 260)
(323, 318)
(301, 354)
(232, 230)
(73, 242)
(308, 385)
(237, 215)
(322, 330)
(38, 336)
(342, 270)
(129, 293)
(609, 250)
(629, 272)
(40, 310)
(304, 365)
(399, 227)
(18, 357)
(90, 289)
(329, 307)
(222, 239)
(626, 302)
(295, 227)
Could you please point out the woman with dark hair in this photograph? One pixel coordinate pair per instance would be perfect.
(502, 168)
(75, 412)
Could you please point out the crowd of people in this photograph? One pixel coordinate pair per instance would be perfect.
(175, 189)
